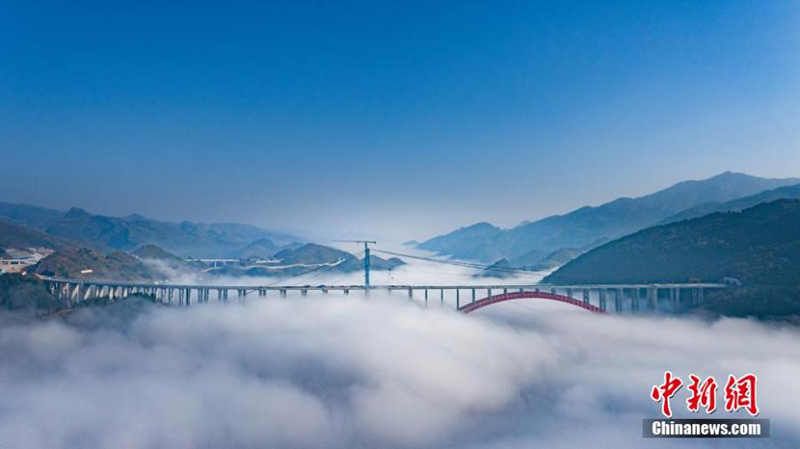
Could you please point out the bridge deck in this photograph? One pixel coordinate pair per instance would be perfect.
(322, 287)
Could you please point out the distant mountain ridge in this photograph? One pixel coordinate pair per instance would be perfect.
(137, 248)
(465, 237)
(590, 225)
(27, 215)
(786, 192)
(309, 258)
(759, 245)
(186, 239)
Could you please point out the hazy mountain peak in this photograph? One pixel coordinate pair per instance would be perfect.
(77, 211)
(588, 224)
(480, 226)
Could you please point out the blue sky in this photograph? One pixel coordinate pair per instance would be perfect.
(397, 118)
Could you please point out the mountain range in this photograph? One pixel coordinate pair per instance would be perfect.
(588, 227)
(759, 247)
(84, 245)
(186, 239)
(311, 257)
(787, 192)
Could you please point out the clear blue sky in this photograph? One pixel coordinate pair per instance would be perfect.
(404, 118)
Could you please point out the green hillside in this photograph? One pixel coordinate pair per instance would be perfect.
(21, 237)
(75, 263)
(185, 239)
(759, 246)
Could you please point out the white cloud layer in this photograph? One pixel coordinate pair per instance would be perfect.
(345, 372)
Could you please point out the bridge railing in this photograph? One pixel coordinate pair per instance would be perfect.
(622, 296)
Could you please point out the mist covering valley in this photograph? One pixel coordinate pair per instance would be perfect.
(379, 371)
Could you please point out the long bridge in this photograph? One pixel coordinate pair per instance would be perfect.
(465, 298)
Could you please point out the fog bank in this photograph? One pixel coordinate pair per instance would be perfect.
(379, 372)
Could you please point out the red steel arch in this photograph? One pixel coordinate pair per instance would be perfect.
(471, 307)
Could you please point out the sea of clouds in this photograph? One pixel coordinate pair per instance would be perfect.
(336, 371)
(341, 372)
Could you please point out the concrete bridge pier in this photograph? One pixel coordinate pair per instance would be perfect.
(602, 298)
(652, 296)
(695, 295)
(458, 299)
(586, 294)
(426, 297)
(63, 292)
(618, 298)
(441, 296)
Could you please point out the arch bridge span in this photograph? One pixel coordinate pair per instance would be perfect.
(598, 298)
